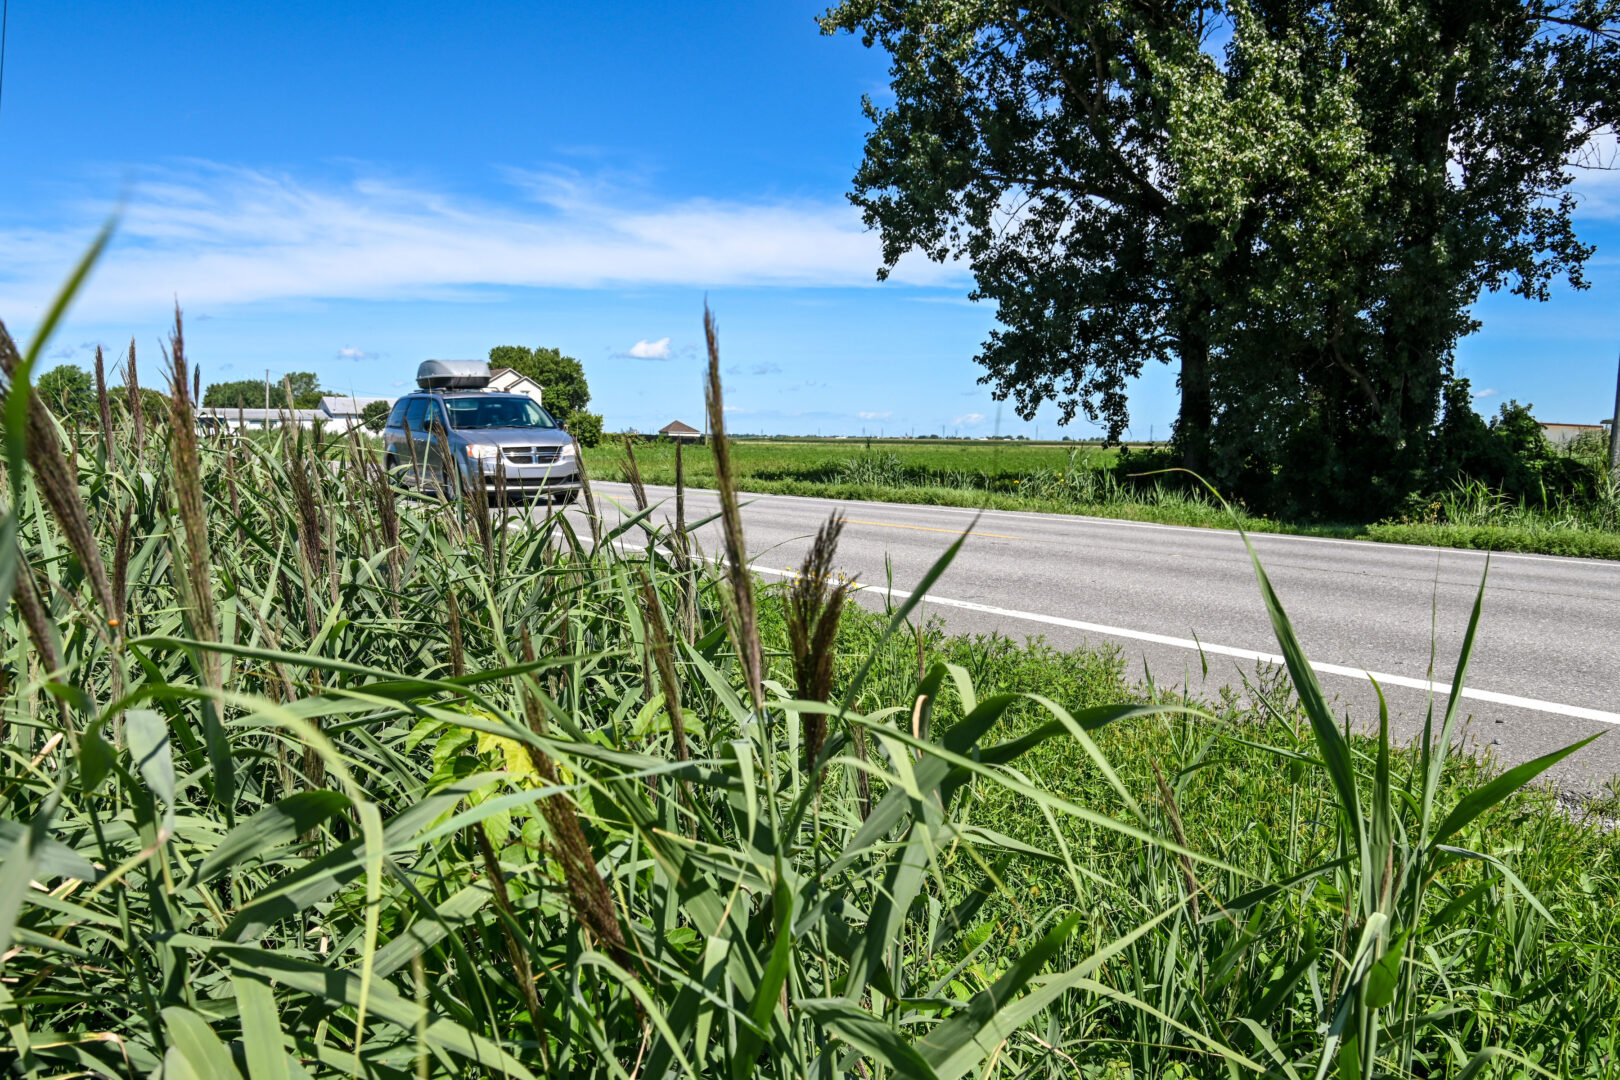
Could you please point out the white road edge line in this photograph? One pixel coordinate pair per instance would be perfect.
(1439, 688)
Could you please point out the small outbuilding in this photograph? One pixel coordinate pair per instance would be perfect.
(684, 432)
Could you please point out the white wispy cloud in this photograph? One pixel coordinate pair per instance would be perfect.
(971, 419)
(649, 350)
(1487, 392)
(214, 234)
(874, 415)
(349, 352)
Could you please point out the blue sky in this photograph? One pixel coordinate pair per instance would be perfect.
(352, 188)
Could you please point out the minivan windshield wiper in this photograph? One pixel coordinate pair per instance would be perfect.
(497, 412)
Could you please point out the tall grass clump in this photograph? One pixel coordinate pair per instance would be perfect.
(329, 779)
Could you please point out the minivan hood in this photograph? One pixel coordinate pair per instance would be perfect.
(514, 436)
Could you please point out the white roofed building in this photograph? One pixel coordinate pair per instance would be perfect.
(348, 407)
(230, 419)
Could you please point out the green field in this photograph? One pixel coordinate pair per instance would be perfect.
(1076, 478)
(819, 460)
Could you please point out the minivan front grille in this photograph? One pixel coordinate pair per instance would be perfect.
(531, 455)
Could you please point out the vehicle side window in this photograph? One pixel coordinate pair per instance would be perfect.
(416, 415)
(397, 417)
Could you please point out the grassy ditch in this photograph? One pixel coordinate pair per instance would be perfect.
(1092, 481)
(306, 778)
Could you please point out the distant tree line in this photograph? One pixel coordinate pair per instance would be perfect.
(70, 392)
(1299, 220)
(251, 393)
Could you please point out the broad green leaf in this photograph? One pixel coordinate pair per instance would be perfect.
(271, 827)
(1490, 793)
(261, 1026)
(197, 1043)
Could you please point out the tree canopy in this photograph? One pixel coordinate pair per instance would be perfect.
(375, 416)
(1299, 217)
(562, 378)
(69, 392)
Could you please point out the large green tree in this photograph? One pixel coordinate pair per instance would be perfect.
(1466, 117)
(69, 392)
(1299, 218)
(561, 378)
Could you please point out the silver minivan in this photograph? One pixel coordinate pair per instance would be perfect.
(490, 436)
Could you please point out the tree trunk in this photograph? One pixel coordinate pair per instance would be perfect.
(1192, 426)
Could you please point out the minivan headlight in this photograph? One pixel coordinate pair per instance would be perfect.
(566, 451)
(483, 453)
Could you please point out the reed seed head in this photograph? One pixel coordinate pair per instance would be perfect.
(743, 618)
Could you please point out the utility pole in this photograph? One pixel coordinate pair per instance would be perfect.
(1614, 426)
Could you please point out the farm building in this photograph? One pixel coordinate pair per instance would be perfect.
(677, 430)
(229, 419)
(347, 409)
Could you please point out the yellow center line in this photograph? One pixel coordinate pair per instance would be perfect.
(929, 528)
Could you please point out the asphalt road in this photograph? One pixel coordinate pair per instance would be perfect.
(1546, 665)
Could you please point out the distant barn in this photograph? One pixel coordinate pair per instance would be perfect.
(683, 432)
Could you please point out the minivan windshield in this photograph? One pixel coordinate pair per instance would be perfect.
(497, 412)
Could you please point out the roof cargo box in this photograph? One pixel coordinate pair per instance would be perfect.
(453, 374)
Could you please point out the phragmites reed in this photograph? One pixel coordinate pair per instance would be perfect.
(104, 406)
(308, 518)
(452, 612)
(814, 605)
(1173, 812)
(588, 893)
(230, 489)
(33, 616)
(652, 611)
(680, 491)
(449, 476)
(680, 547)
(132, 383)
(189, 490)
(58, 485)
(123, 547)
(477, 503)
(743, 619)
(516, 954)
(585, 486)
(503, 500)
(410, 447)
(633, 472)
(382, 491)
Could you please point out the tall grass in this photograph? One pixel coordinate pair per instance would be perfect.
(340, 782)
